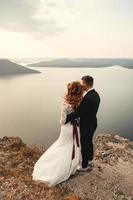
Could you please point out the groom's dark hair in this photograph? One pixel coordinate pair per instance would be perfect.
(88, 80)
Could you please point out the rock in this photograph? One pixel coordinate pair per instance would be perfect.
(11, 143)
(112, 174)
(110, 178)
(71, 198)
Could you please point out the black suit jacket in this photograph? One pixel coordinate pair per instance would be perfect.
(87, 110)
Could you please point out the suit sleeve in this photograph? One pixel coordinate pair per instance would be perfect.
(81, 110)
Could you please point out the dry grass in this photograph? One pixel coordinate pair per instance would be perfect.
(16, 166)
(111, 177)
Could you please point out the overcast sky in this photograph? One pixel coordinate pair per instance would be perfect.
(66, 28)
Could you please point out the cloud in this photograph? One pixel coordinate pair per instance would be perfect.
(36, 17)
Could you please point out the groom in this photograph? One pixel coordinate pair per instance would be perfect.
(87, 112)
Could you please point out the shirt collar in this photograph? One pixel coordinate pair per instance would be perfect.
(88, 91)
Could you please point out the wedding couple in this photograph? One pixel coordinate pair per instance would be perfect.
(78, 119)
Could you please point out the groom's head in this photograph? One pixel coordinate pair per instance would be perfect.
(87, 82)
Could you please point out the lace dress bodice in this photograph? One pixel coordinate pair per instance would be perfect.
(65, 110)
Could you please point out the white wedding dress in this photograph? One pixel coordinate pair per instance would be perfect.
(57, 163)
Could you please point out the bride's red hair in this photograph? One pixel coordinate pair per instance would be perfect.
(74, 94)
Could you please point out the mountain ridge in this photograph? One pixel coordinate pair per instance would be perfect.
(84, 62)
(8, 67)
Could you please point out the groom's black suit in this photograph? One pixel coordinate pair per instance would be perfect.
(88, 123)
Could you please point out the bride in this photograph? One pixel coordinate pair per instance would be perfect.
(62, 158)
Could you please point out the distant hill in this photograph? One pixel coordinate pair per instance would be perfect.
(8, 68)
(85, 62)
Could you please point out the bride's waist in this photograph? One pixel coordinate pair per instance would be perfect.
(68, 124)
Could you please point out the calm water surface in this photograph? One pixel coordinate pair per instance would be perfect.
(30, 104)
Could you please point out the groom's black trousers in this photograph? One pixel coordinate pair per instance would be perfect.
(86, 139)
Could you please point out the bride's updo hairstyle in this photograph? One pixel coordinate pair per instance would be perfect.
(74, 94)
